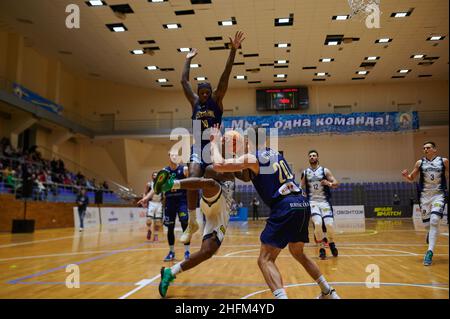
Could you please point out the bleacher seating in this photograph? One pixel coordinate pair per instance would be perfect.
(68, 194)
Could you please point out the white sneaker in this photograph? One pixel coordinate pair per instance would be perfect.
(190, 230)
(81, 229)
(331, 295)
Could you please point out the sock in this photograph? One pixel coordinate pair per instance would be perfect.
(434, 231)
(172, 248)
(186, 247)
(280, 294)
(323, 284)
(176, 269)
(176, 185)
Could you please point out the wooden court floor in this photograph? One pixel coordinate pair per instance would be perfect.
(118, 262)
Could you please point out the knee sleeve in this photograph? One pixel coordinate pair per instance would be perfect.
(184, 224)
(317, 220)
(171, 234)
(434, 220)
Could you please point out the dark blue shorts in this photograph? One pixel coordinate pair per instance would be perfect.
(175, 206)
(197, 158)
(288, 222)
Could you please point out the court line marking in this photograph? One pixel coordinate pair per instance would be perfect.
(102, 251)
(175, 284)
(349, 283)
(228, 246)
(44, 272)
(233, 254)
(44, 240)
(141, 284)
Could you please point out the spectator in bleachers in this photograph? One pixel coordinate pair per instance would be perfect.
(54, 165)
(396, 200)
(11, 180)
(52, 174)
(40, 190)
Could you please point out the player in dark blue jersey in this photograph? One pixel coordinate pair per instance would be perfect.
(207, 110)
(288, 222)
(175, 203)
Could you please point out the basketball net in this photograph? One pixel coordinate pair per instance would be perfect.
(362, 7)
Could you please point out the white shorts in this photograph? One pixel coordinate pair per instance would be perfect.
(322, 209)
(431, 203)
(217, 216)
(154, 210)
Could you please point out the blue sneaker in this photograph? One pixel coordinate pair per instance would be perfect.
(170, 256)
(187, 255)
(428, 259)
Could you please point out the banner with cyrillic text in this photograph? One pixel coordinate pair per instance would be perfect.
(296, 124)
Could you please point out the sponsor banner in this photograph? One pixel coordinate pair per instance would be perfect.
(348, 212)
(91, 217)
(296, 124)
(29, 96)
(388, 211)
(122, 215)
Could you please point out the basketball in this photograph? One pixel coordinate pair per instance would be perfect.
(234, 142)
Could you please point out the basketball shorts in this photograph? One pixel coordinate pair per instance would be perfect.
(288, 222)
(217, 216)
(432, 203)
(175, 206)
(323, 209)
(197, 158)
(154, 210)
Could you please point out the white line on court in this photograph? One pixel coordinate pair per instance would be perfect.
(141, 284)
(402, 252)
(105, 251)
(347, 283)
(44, 240)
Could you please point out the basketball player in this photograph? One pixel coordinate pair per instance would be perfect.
(215, 205)
(288, 222)
(433, 172)
(317, 181)
(208, 109)
(175, 204)
(154, 210)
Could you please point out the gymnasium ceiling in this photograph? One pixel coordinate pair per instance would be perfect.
(94, 51)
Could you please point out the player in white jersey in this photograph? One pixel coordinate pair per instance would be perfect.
(154, 210)
(433, 174)
(317, 182)
(215, 204)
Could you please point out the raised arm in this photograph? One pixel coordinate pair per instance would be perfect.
(222, 87)
(187, 88)
(410, 177)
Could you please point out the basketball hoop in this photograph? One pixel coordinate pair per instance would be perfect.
(362, 7)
